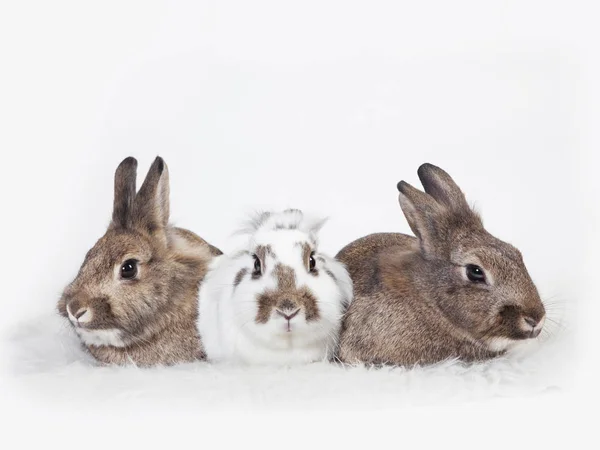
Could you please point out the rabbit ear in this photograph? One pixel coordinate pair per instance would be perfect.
(313, 226)
(124, 192)
(151, 204)
(421, 212)
(442, 188)
(316, 224)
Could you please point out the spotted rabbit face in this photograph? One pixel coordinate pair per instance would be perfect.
(285, 292)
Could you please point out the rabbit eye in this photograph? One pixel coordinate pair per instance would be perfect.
(257, 268)
(311, 262)
(475, 273)
(129, 269)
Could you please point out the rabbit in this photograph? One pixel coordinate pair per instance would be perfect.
(453, 292)
(277, 301)
(135, 297)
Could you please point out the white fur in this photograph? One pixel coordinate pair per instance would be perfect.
(112, 337)
(47, 364)
(498, 344)
(227, 313)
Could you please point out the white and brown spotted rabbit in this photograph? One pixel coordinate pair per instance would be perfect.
(134, 299)
(279, 300)
(454, 291)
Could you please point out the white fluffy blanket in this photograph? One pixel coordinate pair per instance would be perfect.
(48, 362)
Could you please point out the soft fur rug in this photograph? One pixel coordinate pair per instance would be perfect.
(48, 363)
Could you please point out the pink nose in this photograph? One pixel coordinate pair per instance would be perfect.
(287, 315)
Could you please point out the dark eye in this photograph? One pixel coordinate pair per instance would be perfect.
(129, 269)
(257, 268)
(311, 262)
(475, 273)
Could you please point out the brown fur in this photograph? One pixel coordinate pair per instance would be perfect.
(156, 312)
(197, 242)
(286, 297)
(240, 276)
(412, 303)
(262, 251)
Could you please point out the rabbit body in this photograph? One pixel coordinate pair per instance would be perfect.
(452, 292)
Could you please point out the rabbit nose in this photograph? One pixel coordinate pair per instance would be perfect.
(533, 326)
(287, 315)
(79, 314)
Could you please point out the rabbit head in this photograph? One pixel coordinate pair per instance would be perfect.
(139, 271)
(283, 295)
(479, 282)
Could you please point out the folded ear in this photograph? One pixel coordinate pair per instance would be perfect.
(442, 187)
(124, 193)
(151, 204)
(421, 212)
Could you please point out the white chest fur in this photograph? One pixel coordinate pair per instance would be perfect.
(287, 350)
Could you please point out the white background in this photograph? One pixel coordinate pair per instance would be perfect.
(320, 105)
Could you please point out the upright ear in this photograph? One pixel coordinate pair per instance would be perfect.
(124, 193)
(314, 225)
(151, 204)
(442, 188)
(422, 212)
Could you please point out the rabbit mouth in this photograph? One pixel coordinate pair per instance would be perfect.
(287, 316)
(522, 331)
(528, 328)
(85, 325)
(287, 327)
(534, 333)
(516, 324)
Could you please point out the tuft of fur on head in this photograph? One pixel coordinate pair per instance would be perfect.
(277, 300)
(289, 219)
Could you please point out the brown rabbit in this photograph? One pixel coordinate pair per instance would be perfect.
(135, 298)
(454, 291)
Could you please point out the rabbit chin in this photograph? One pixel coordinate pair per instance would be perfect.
(271, 343)
(100, 338)
(499, 344)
